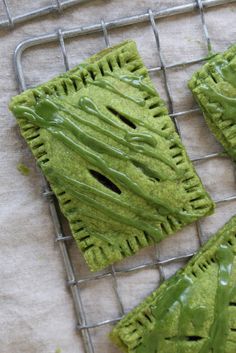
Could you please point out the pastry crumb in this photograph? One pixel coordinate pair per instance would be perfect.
(58, 350)
(23, 169)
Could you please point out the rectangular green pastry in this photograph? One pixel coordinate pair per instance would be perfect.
(214, 88)
(103, 138)
(192, 312)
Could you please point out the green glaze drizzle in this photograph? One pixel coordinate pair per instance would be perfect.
(141, 137)
(223, 91)
(105, 84)
(52, 116)
(135, 81)
(179, 290)
(48, 109)
(80, 186)
(226, 71)
(220, 326)
(37, 92)
(46, 116)
(88, 106)
(78, 190)
(228, 103)
(151, 172)
(150, 127)
(146, 138)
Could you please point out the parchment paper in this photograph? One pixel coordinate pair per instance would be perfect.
(37, 313)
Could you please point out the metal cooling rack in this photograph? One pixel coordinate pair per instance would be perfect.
(152, 17)
(56, 6)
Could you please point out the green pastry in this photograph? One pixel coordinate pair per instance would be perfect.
(103, 139)
(214, 87)
(192, 312)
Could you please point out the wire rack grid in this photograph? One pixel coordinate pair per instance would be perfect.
(62, 238)
(56, 6)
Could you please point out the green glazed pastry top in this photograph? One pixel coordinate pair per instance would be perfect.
(194, 311)
(214, 87)
(103, 138)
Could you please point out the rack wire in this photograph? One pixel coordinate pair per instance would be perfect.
(151, 16)
(56, 6)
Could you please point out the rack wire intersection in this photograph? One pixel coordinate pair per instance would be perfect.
(56, 6)
(152, 17)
